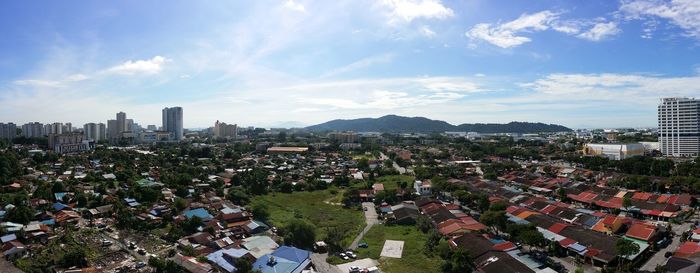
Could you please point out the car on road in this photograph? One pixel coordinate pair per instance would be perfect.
(106, 243)
(141, 251)
(344, 256)
(351, 254)
(354, 269)
(139, 265)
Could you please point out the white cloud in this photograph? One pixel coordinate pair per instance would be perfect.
(600, 31)
(427, 32)
(363, 63)
(291, 4)
(507, 35)
(513, 33)
(152, 66)
(52, 83)
(682, 13)
(614, 87)
(409, 10)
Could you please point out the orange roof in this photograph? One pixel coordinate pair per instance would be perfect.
(641, 231)
(526, 214)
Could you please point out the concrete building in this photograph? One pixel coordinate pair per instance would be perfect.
(54, 128)
(95, 131)
(70, 143)
(112, 129)
(614, 151)
(33, 129)
(344, 137)
(67, 127)
(8, 130)
(155, 136)
(122, 125)
(172, 122)
(679, 127)
(223, 130)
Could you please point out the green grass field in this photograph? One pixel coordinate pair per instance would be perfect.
(314, 207)
(389, 181)
(413, 259)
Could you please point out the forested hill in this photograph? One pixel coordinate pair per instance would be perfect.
(393, 123)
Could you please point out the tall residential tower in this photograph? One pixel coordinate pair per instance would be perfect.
(172, 122)
(679, 127)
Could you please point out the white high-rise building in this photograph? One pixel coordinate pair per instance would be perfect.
(172, 122)
(33, 129)
(8, 130)
(95, 131)
(679, 126)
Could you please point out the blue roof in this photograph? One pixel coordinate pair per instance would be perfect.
(287, 260)
(59, 195)
(292, 254)
(59, 206)
(7, 238)
(227, 263)
(200, 212)
(49, 222)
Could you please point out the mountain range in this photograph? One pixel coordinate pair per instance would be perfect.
(399, 124)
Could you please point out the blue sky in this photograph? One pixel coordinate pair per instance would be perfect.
(583, 64)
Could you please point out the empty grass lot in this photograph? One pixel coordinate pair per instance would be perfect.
(412, 260)
(313, 207)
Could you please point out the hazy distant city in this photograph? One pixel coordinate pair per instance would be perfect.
(350, 136)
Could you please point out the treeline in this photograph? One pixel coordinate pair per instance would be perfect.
(638, 165)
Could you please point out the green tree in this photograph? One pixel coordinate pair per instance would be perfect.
(21, 214)
(459, 262)
(260, 211)
(626, 248)
(243, 266)
(300, 233)
(496, 220)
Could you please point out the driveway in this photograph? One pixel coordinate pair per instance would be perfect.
(364, 263)
(370, 219)
(320, 264)
(658, 258)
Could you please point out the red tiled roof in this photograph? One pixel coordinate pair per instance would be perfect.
(511, 209)
(557, 227)
(548, 209)
(687, 249)
(505, 246)
(566, 242)
(584, 197)
(641, 231)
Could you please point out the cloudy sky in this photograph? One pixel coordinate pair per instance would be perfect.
(584, 64)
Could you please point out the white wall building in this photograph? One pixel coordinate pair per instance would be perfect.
(614, 151)
(679, 126)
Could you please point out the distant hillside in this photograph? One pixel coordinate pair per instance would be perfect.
(393, 123)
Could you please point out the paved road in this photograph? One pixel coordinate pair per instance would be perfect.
(320, 264)
(398, 168)
(370, 218)
(658, 258)
(571, 267)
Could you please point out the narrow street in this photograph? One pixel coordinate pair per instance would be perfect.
(370, 219)
(658, 258)
(320, 264)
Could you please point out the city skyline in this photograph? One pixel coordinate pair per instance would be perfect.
(598, 64)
